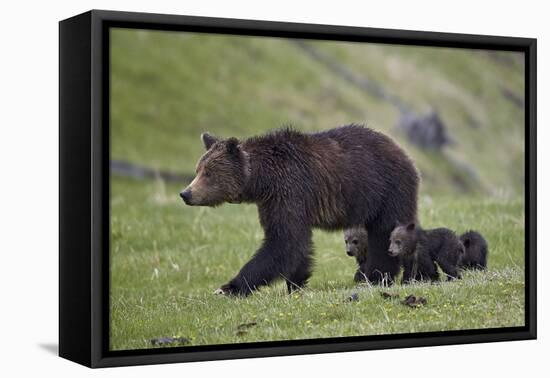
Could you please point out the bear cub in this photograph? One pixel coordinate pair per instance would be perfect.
(475, 246)
(419, 250)
(356, 240)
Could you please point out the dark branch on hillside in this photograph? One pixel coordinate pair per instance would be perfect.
(341, 70)
(138, 172)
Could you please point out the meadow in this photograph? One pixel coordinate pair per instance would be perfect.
(166, 259)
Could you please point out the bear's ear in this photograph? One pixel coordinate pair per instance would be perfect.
(208, 140)
(232, 146)
(411, 226)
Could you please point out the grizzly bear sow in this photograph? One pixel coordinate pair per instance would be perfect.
(339, 178)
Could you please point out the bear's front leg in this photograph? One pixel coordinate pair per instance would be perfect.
(408, 275)
(283, 255)
(298, 279)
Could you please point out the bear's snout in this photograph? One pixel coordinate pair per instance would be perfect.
(186, 196)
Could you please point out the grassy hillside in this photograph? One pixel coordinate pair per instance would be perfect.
(168, 87)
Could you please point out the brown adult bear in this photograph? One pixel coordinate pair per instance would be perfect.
(334, 179)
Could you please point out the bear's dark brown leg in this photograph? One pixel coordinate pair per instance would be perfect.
(299, 278)
(277, 258)
(379, 267)
(408, 275)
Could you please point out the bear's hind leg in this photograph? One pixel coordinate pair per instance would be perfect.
(380, 267)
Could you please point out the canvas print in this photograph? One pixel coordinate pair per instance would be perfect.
(269, 189)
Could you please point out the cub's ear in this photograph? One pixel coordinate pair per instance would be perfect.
(208, 140)
(411, 226)
(232, 146)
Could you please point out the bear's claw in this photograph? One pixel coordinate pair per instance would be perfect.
(219, 291)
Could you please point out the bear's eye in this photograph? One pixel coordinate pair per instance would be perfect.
(355, 242)
(346, 241)
(398, 242)
(206, 173)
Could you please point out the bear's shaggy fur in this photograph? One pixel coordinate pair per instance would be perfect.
(475, 256)
(420, 249)
(356, 240)
(335, 179)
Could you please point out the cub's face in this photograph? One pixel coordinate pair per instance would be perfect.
(402, 240)
(356, 241)
(221, 174)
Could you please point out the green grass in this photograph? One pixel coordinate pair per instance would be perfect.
(167, 258)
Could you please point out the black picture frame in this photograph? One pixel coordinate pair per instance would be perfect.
(84, 187)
